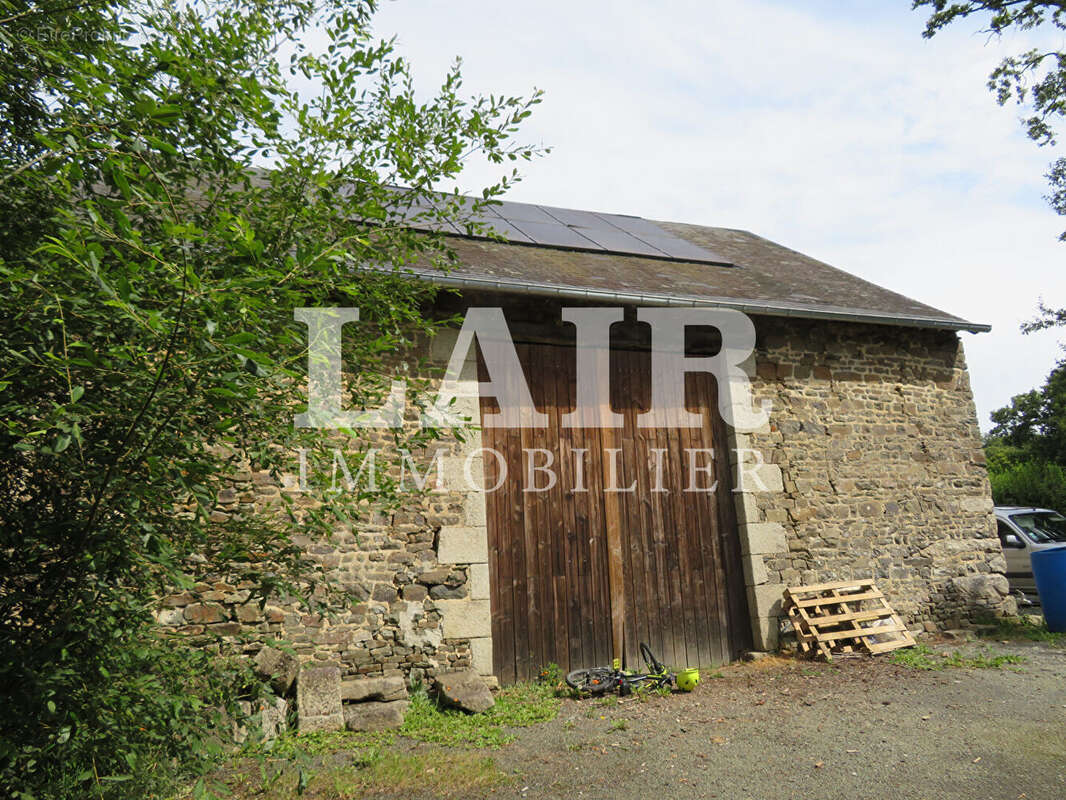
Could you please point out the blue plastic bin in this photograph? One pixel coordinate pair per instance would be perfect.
(1049, 570)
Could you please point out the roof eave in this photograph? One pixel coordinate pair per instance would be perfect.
(513, 286)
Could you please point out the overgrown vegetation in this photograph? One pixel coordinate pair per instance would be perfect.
(167, 199)
(1021, 629)
(369, 772)
(1026, 449)
(516, 706)
(925, 658)
(372, 759)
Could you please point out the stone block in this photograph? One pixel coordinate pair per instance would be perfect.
(415, 592)
(462, 473)
(249, 612)
(764, 632)
(434, 576)
(465, 690)
(272, 720)
(465, 619)
(766, 600)
(205, 613)
(474, 508)
(982, 589)
(318, 699)
(170, 616)
(768, 478)
(746, 508)
(449, 592)
(463, 544)
(754, 570)
(479, 581)
(357, 690)
(763, 537)
(481, 655)
(375, 716)
(754, 475)
(976, 504)
(738, 442)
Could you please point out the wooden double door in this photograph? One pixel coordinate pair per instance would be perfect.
(635, 541)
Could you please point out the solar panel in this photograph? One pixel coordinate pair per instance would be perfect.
(678, 248)
(523, 212)
(508, 231)
(635, 226)
(616, 241)
(556, 234)
(573, 229)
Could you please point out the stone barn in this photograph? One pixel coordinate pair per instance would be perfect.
(571, 542)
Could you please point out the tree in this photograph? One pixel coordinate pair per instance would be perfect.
(1035, 422)
(1035, 78)
(1027, 447)
(167, 199)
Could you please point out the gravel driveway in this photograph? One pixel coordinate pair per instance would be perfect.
(861, 728)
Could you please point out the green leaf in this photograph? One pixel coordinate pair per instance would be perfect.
(166, 147)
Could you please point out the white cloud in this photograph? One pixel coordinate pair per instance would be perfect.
(831, 128)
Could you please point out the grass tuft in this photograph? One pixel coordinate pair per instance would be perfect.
(373, 763)
(1021, 629)
(923, 657)
(516, 706)
(401, 775)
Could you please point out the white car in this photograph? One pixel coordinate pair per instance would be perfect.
(1021, 531)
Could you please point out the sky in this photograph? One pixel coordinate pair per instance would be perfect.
(833, 128)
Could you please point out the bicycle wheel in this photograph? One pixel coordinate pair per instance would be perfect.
(593, 681)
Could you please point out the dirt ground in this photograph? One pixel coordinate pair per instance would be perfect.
(861, 728)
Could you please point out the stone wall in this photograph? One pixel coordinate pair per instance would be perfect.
(416, 579)
(874, 468)
(870, 467)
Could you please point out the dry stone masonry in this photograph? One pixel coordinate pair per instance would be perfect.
(871, 466)
(873, 469)
(416, 579)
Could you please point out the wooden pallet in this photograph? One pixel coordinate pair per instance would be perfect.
(844, 617)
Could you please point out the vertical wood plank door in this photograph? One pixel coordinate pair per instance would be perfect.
(552, 593)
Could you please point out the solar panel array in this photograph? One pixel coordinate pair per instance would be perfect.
(524, 223)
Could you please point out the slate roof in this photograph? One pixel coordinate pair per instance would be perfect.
(761, 277)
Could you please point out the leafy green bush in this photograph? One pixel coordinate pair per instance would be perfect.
(149, 270)
(114, 708)
(1028, 483)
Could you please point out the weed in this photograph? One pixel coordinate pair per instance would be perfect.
(618, 725)
(292, 744)
(982, 661)
(923, 657)
(918, 657)
(608, 700)
(439, 774)
(372, 766)
(516, 706)
(550, 674)
(1021, 629)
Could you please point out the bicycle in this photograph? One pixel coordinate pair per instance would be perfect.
(598, 680)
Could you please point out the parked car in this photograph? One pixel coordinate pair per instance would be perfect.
(1021, 531)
